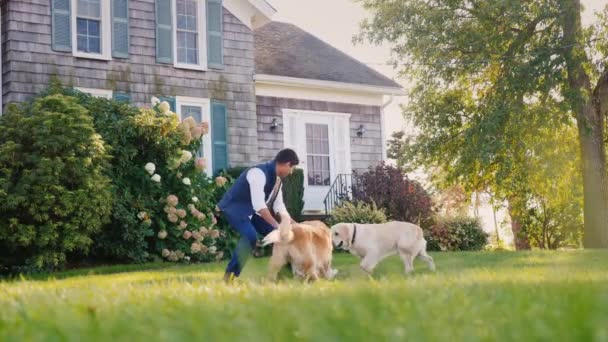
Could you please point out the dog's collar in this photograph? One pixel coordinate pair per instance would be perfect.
(352, 241)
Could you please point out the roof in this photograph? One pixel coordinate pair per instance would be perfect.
(283, 49)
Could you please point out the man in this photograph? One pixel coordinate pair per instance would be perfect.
(245, 205)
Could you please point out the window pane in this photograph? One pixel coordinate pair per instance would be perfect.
(325, 164)
(193, 111)
(191, 40)
(326, 179)
(94, 45)
(192, 56)
(181, 39)
(181, 22)
(82, 43)
(94, 28)
(81, 26)
(181, 7)
(181, 55)
(95, 9)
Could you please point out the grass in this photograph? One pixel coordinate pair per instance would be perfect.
(472, 296)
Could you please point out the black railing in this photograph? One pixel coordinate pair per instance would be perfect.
(341, 190)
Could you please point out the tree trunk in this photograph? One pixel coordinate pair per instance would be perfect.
(590, 124)
(521, 241)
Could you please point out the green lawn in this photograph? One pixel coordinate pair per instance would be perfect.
(472, 296)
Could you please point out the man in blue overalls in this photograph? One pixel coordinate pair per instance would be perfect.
(245, 205)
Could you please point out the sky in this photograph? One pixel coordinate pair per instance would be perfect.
(337, 21)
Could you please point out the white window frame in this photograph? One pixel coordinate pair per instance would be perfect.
(205, 104)
(96, 92)
(106, 33)
(202, 37)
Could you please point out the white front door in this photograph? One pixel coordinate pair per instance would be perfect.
(322, 141)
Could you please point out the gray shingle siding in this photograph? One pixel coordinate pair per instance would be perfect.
(28, 62)
(366, 151)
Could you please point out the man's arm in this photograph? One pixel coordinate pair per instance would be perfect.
(279, 205)
(257, 180)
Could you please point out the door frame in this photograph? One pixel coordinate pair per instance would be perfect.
(298, 143)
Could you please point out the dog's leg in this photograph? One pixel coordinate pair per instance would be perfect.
(427, 259)
(368, 263)
(408, 260)
(277, 261)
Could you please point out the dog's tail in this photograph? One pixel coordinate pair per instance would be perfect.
(282, 235)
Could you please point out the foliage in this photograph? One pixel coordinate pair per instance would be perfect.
(402, 199)
(149, 149)
(505, 71)
(54, 192)
(456, 233)
(357, 212)
(234, 172)
(293, 193)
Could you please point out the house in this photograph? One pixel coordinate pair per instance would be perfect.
(262, 85)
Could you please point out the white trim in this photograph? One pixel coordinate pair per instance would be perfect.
(317, 94)
(96, 92)
(314, 112)
(205, 105)
(312, 83)
(383, 126)
(202, 38)
(106, 33)
(264, 7)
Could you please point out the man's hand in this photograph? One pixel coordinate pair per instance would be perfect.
(265, 213)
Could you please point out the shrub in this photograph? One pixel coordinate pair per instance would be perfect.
(54, 195)
(293, 193)
(403, 199)
(234, 172)
(456, 234)
(359, 212)
(140, 138)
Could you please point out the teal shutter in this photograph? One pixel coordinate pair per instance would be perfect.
(62, 25)
(121, 96)
(219, 136)
(164, 31)
(120, 28)
(170, 100)
(215, 45)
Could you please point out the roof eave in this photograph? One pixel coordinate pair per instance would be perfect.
(322, 84)
(265, 12)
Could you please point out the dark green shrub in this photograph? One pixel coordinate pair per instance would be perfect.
(293, 193)
(456, 234)
(54, 192)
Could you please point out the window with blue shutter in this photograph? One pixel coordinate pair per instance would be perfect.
(164, 31)
(120, 28)
(215, 45)
(62, 27)
(170, 100)
(121, 96)
(219, 136)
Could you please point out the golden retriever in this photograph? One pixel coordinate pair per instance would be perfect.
(306, 245)
(374, 242)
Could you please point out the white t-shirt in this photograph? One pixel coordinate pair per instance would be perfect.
(257, 180)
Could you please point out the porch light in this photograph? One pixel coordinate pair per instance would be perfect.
(274, 124)
(360, 131)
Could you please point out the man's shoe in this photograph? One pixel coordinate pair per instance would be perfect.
(228, 277)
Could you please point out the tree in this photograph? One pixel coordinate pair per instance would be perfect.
(491, 73)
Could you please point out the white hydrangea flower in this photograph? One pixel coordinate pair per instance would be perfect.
(155, 178)
(164, 107)
(150, 168)
(155, 101)
(212, 249)
(186, 156)
(195, 199)
(186, 181)
(162, 234)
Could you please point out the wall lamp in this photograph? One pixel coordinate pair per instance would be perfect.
(360, 131)
(274, 124)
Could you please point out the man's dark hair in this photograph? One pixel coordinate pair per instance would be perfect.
(287, 156)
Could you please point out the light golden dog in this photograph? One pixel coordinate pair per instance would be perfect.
(374, 242)
(306, 245)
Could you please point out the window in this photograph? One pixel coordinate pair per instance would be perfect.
(198, 109)
(317, 154)
(91, 23)
(190, 34)
(104, 93)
